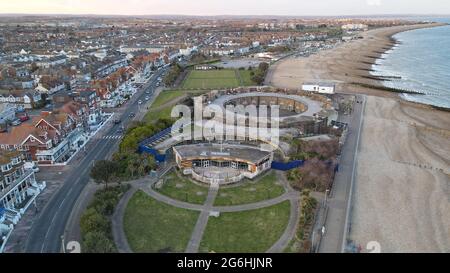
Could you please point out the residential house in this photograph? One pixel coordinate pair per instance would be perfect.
(26, 99)
(52, 61)
(18, 191)
(44, 139)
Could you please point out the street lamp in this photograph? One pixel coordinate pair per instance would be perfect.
(63, 244)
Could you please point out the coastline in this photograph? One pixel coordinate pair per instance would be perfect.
(401, 192)
(348, 65)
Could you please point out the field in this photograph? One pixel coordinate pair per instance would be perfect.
(181, 188)
(152, 226)
(250, 192)
(215, 79)
(248, 231)
(162, 106)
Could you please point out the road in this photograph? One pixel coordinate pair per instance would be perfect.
(340, 200)
(46, 233)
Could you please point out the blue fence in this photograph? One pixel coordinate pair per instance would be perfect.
(156, 137)
(158, 157)
(286, 166)
(143, 148)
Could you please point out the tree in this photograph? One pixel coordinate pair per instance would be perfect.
(149, 162)
(92, 220)
(263, 66)
(104, 171)
(97, 242)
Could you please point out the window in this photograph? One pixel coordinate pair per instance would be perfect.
(6, 167)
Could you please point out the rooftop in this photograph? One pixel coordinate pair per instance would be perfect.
(228, 151)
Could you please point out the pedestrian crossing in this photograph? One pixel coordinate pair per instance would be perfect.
(112, 137)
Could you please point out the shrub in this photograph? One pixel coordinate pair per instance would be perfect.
(97, 242)
(93, 221)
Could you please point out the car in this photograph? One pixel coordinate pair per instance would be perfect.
(16, 122)
(147, 92)
(147, 98)
(116, 121)
(140, 102)
(31, 166)
(132, 115)
(24, 118)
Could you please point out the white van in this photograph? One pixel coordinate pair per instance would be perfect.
(31, 166)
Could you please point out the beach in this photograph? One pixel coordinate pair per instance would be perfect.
(402, 188)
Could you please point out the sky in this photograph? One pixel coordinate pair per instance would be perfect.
(227, 7)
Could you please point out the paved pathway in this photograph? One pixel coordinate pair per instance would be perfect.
(202, 221)
(291, 228)
(339, 202)
(120, 239)
(193, 246)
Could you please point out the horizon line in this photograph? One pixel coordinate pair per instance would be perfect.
(223, 15)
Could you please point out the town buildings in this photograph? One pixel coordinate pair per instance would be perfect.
(18, 190)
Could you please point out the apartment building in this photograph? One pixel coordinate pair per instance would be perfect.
(18, 190)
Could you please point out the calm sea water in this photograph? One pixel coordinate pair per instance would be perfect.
(422, 60)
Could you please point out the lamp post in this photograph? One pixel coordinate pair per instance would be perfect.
(63, 244)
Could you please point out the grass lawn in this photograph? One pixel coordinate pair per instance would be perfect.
(152, 226)
(153, 115)
(251, 191)
(210, 79)
(247, 231)
(182, 189)
(246, 77)
(169, 97)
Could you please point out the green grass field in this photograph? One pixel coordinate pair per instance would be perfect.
(183, 189)
(211, 79)
(168, 99)
(246, 77)
(247, 231)
(152, 226)
(250, 192)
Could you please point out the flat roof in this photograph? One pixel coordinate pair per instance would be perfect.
(229, 151)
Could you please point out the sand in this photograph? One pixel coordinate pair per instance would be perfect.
(402, 189)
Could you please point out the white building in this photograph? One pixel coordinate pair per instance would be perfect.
(322, 88)
(18, 191)
(355, 27)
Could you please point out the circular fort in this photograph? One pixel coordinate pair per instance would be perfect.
(219, 161)
(292, 107)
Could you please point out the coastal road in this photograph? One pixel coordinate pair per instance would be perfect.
(46, 233)
(339, 203)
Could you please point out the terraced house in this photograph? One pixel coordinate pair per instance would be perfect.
(46, 139)
(18, 190)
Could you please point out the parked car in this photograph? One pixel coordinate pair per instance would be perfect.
(16, 122)
(147, 98)
(31, 166)
(132, 115)
(117, 121)
(23, 118)
(140, 102)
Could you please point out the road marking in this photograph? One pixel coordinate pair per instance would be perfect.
(352, 181)
(57, 192)
(62, 202)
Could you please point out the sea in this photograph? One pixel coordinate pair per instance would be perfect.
(420, 62)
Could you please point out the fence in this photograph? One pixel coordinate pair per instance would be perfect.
(286, 166)
(158, 157)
